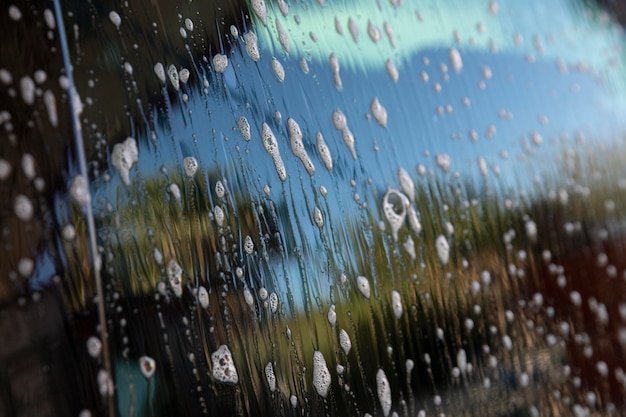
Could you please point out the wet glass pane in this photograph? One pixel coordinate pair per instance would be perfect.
(377, 208)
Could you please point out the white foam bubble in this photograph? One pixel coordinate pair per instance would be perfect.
(406, 183)
(531, 230)
(283, 38)
(278, 69)
(271, 146)
(273, 302)
(244, 128)
(260, 10)
(51, 107)
(409, 247)
(123, 158)
(15, 13)
(190, 166)
(270, 376)
(482, 166)
(28, 166)
(220, 63)
(79, 190)
(461, 360)
(252, 45)
(183, 75)
(373, 32)
(159, 70)
(383, 389)
(396, 303)
(332, 315)
(318, 218)
(321, 374)
(203, 297)
(218, 214)
(94, 347)
(443, 249)
(5, 169)
(27, 87)
(174, 191)
(25, 267)
(189, 24)
(334, 65)
(147, 366)
(248, 245)
(395, 219)
(344, 341)
(455, 59)
(115, 18)
(297, 146)
(354, 29)
(363, 285)
(224, 370)
(348, 139)
(248, 297)
(443, 161)
(23, 208)
(324, 151)
(379, 112)
(392, 70)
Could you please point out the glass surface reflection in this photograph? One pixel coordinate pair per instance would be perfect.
(312, 208)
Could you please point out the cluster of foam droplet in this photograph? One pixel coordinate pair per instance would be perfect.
(270, 376)
(220, 191)
(383, 389)
(223, 366)
(341, 124)
(321, 374)
(260, 10)
(271, 146)
(323, 150)
(175, 275)
(218, 214)
(123, 157)
(190, 166)
(244, 128)
(297, 145)
(252, 45)
(172, 74)
(278, 69)
(344, 341)
(248, 245)
(220, 63)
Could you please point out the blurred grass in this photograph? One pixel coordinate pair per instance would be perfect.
(434, 296)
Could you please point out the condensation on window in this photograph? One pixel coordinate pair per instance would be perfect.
(402, 208)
